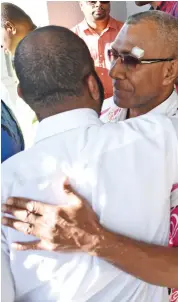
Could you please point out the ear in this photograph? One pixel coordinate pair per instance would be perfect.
(93, 87)
(19, 91)
(81, 3)
(10, 28)
(171, 72)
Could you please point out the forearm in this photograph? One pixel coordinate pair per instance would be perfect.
(153, 264)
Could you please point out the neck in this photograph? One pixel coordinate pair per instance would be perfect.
(155, 4)
(134, 112)
(44, 112)
(98, 25)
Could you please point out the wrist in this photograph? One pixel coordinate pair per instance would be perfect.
(101, 243)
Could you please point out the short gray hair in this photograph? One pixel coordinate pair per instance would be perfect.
(167, 27)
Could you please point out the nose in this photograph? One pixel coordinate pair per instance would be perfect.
(117, 71)
(98, 4)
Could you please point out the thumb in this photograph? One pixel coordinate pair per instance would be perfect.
(67, 186)
(69, 190)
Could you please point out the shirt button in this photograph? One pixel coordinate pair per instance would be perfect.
(101, 56)
(102, 73)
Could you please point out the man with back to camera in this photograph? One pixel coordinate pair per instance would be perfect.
(159, 264)
(98, 30)
(97, 162)
(15, 25)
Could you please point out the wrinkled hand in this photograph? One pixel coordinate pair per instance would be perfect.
(59, 228)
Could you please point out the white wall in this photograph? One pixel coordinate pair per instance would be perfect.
(36, 9)
(132, 8)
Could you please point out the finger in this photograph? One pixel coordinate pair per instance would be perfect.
(24, 246)
(75, 197)
(38, 230)
(17, 225)
(42, 245)
(20, 214)
(36, 207)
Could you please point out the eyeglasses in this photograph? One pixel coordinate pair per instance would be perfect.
(130, 61)
(94, 2)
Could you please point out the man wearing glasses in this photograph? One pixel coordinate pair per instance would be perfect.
(98, 30)
(137, 74)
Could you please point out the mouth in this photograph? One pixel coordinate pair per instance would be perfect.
(121, 90)
(119, 86)
(99, 11)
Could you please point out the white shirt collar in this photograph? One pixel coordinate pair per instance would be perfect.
(112, 113)
(66, 121)
(168, 107)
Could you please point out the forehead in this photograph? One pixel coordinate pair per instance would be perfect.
(143, 35)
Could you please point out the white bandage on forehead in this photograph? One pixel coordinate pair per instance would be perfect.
(137, 52)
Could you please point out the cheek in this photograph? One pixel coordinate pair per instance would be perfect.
(107, 9)
(146, 80)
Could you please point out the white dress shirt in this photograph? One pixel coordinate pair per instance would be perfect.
(112, 113)
(125, 170)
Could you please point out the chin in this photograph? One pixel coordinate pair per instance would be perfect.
(99, 17)
(122, 100)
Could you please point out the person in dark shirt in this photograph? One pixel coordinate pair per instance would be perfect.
(12, 140)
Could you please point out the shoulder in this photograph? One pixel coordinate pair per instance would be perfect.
(77, 28)
(118, 24)
(154, 132)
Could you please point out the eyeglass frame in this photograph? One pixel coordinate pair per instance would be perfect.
(145, 61)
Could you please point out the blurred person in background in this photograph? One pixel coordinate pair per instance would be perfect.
(170, 7)
(98, 30)
(12, 140)
(15, 25)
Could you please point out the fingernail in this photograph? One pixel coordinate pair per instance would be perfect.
(9, 201)
(3, 208)
(14, 245)
(4, 220)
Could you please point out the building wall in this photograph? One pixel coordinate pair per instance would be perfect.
(132, 8)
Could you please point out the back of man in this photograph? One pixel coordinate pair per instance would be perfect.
(116, 167)
(99, 30)
(102, 165)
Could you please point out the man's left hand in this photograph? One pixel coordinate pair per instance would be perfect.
(66, 228)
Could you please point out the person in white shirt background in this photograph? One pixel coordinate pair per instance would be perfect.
(95, 157)
(154, 264)
(15, 25)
